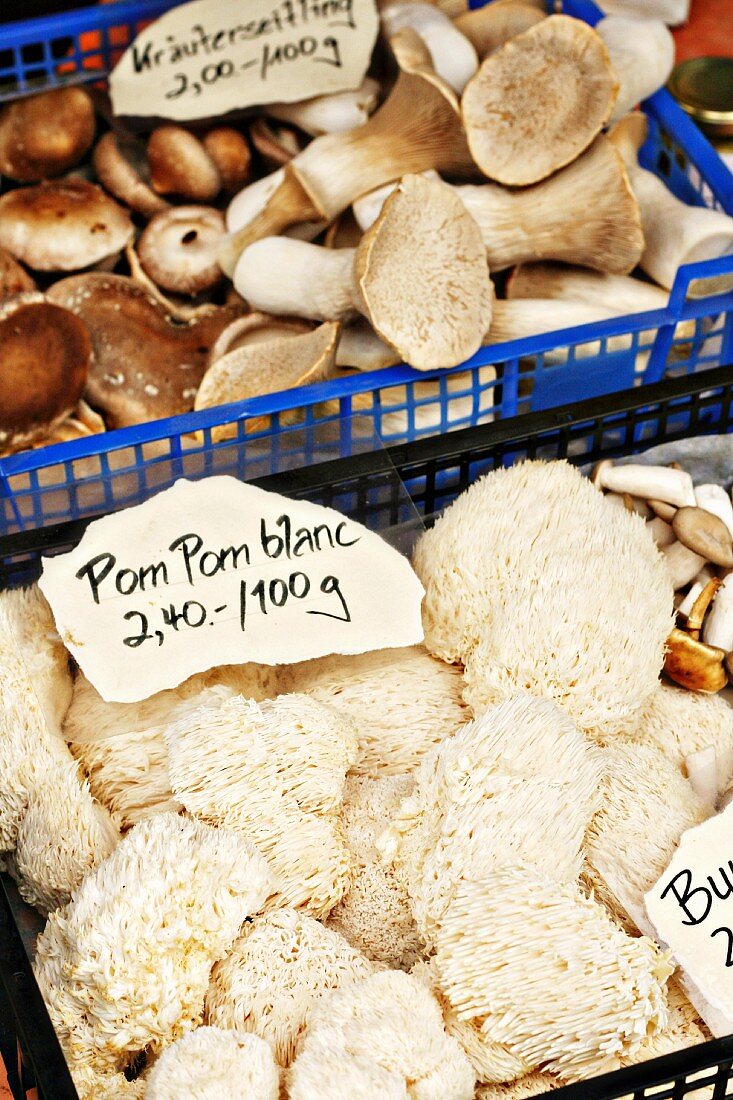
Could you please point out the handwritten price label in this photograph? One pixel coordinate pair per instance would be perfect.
(218, 572)
(206, 58)
(691, 907)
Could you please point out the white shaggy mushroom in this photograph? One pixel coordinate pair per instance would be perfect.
(121, 745)
(387, 1027)
(211, 1064)
(27, 621)
(684, 1029)
(507, 595)
(403, 702)
(375, 914)
(520, 783)
(125, 965)
(282, 964)
(274, 771)
(625, 854)
(106, 1086)
(534, 1084)
(556, 979)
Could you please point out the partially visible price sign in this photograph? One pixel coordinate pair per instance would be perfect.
(219, 572)
(208, 57)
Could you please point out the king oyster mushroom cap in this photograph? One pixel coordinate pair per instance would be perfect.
(489, 27)
(65, 225)
(453, 56)
(267, 366)
(694, 664)
(255, 328)
(178, 248)
(114, 162)
(212, 1061)
(642, 56)
(296, 961)
(330, 114)
(704, 533)
(179, 165)
(45, 357)
(522, 130)
(231, 154)
(145, 366)
(718, 627)
(45, 134)
(674, 232)
(417, 127)
(714, 498)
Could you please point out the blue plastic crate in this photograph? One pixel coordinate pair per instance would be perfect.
(396, 405)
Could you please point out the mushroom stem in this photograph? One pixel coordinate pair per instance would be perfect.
(453, 56)
(674, 232)
(282, 276)
(718, 628)
(251, 201)
(661, 532)
(649, 482)
(683, 564)
(642, 56)
(329, 114)
(515, 320)
(697, 587)
(700, 606)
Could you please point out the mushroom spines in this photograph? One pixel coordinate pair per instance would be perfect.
(212, 1063)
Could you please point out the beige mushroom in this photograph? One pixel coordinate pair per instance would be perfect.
(255, 328)
(696, 588)
(489, 27)
(718, 628)
(268, 366)
(539, 101)
(121, 168)
(179, 165)
(682, 563)
(693, 664)
(45, 134)
(699, 608)
(329, 114)
(673, 12)
(517, 319)
(231, 154)
(453, 56)
(417, 127)
(178, 247)
(360, 347)
(403, 277)
(650, 482)
(62, 226)
(14, 279)
(276, 145)
(661, 532)
(250, 203)
(45, 353)
(674, 232)
(642, 56)
(713, 498)
(175, 306)
(705, 534)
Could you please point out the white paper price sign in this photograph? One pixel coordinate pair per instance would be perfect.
(691, 907)
(218, 572)
(208, 57)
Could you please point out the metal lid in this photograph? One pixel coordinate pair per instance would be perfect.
(703, 87)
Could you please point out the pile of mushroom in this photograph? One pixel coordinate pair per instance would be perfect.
(343, 257)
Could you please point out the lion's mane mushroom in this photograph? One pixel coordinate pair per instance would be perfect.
(403, 702)
(274, 771)
(91, 1085)
(145, 366)
(522, 130)
(533, 1084)
(674, 233)
(121, 169)
(268, 366)
(27, 622)
(489, 27)
(45, 356)
(180, 165)
(642, 56)
(519, 783)
(125, 966)
(381, 1036)
(417, 127)
(178, 247)
(231, 154)
(62, 226)
(574, 994)
(121, 745)
(329, 114)
(504, 594)
(212, 1064)
(375, 914)
(453, 56)
(684, 1029)
(624, 856)
(403, 277)
(281, 965)
(44, 135)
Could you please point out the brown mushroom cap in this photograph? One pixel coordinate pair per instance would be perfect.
(145, 365)
(705, 534)
(14, 279)
(62, 226)
(178, 249)
(179, 165)
(117, 172)
(276, 144)
(45, 134)
(45, 352)
(422, 276)
(537, 102)
(489, 27)
(231, 154)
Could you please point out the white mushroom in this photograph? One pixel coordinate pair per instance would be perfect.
(672, 12)
(650, 482)
(698, 585)
(329, 114)
(718, 626)
(674, 232)
(491, 25)
(452, 54)
(212, 1064)
(523, 317)
(713, 498)
(663, 535)
(360, 347)
(683, 564)
(702, 771)
(642, 56)
(251, 201)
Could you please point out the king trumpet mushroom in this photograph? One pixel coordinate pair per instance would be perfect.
(492, 25)
(521, 130)
(417, 127)
(452, 54)
(674, 233)
(642, 56)
(329, 114)
(419, 275)
(672, 12)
